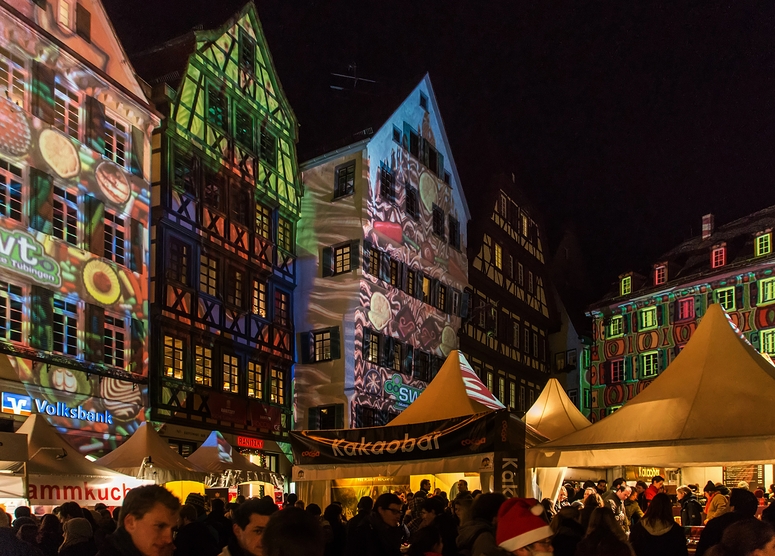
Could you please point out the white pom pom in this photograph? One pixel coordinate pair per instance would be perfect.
(538, 509)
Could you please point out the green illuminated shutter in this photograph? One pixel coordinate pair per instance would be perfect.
(43, 103)
(755, 340)
(336, 343)
(753, 294)
(95, 124)
(339, 416)
(137, 232)
(306, 353)
(629, 373)
(95, 334)
(326, 261)
(41, 207)
(355, 254)
(137, 346)
(41, 318)
(660, 309)
(739, 306)
(138, 152)
(94, 232)
(699, 305)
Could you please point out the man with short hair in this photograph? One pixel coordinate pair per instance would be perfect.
(611, 494)
(640, 488)
(380, 534)
(419, 498)
(522, 529)
(148, 516)
(293, 532)
(250, 521)
(655, 488)
(365, 504)
(616, 503)
(743, 504)
(192, 539)
(602, 487)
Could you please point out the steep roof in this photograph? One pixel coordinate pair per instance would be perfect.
(216, 455)
(553, 414)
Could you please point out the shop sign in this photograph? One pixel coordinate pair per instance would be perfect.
(22, 254)
(54, 490)
(644, 474)
(403, 393)
(250, 442)
(17, 404)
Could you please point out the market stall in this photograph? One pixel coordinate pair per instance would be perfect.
(13, 455)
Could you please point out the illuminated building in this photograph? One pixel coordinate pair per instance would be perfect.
(512, 311)
(382, 268)
(643, 324)
(225, 205)
(75, 131)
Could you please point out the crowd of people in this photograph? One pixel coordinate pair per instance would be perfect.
(591, 520)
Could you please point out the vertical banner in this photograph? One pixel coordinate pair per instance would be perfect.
(509, 472)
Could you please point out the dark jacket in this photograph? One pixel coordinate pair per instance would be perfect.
(81, 549)
(714, 530)
(659, 539)
(602, 542)
(475, 537)
(567, 537)
(194, 540)
(338, 542)
(11, 546)
(357, 519)
(691, 511)
(49, 543)
(446, 525)
(222, 526)
(119, 544)
(373, 537)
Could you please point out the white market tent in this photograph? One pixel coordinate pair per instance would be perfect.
(165, 465)
(710, 407)
(13, 455)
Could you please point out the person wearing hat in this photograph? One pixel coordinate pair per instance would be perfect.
(717, 501)
(522, 529)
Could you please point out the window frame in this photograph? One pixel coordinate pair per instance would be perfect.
(767, 339)
(718, 257)
(117, 139)
(619, 331)
(437, 221)
(649, 364)
(255, 380)
(204, 371)
(68, 313)
(230, 373)
(648, 318)
(68, 106)
(11, 191)
(277, 378)
(717, 296)
(209, 281)
(281, 314)
(116, 325)
(175, 350)
(259, 300)
(618, 371)
(16, 77)
(625, 285)
(682, 303)
(411, 202)
(342, 258)
(763, 243)
(344, 180)
(763, 286)
(68, 210)
(321, 345)
(12, 298)
(660, 274)
(115, 237)
(387, 183)
(285, 236)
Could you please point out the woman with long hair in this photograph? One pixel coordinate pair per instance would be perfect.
(657, 534)
(590, 503)
(50, 536)
(605, 537)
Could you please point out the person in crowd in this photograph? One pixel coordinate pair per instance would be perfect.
(616, 503)
(567, 531)
(79, 538)
(521, 529)
(217, 520)
(315, 510)
(199, 502)
(657, 482)
(11, 546)
(28, 533)
(691, 510)
(293, 532)
(562, 499)
(69, 510)
(742, 504)
(148, 516)
(462, 488)
(748, 537)
(50, 535)
(602, 487)
(433, 513)
(771, 491)
(337, 543)
(744, 485)
(590, 503)
(640, 488)
(290, 500)
(106, 522)
(586, 489)
(717, 503)
(768, 514)
(299, 504)
(657, 534)
(759, 493)
(380, 534)
(476, 535)
(614, 489)
(461, 509)
(632, 509)
(548, 508)
(365, 504)
(426, 542)
(192, 539)
(419, 498)
(250, 521)
(604, 536)
(570, 491)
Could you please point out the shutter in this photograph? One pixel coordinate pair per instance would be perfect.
(306, 355)
(327, 262)
(699, 305)
(629, 373)
(754, 338)
(661, 356)
(313, 420)
(448, 308)
(405, 278)
(464, 305)
(739, 306)
(424, 151)
(95, 333)
(138, 152)
(95, 124)
(753, 293)
(138, 334)
(94, 229)
(336, 343)
(367, 254)
(82, 22)
(660, 317)
(434, 293)
(408, 359)
(384, 267)
(418, 284)
(441, 165)
(43, 98)
(603, 372)
(672, 309)
(339, 416)
(626, 323)
(386, 352)
(136, 246)
(355, 254)
(41, 318)
(405, 137)
(40, 3)
(41, 207)
(635, 323)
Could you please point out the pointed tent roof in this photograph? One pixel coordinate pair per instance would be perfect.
(706, 408)
(216, 455)
(553, 414)
(455, 391)
(168, 465)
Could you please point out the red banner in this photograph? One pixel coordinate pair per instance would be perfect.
(228, 408)
(266, 417)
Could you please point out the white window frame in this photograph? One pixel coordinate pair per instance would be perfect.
(12, 312)
(11, 191)
(68, 110)
(13, 77)
(65, 14)
(66, 213)
(66, 319)
(115, 341)
(117, 140)
(115, 237)
(321, 345)
(342, 255)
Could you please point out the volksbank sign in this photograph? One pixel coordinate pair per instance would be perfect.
(18, 404)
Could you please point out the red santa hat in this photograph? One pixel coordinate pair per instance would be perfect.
(520, 523)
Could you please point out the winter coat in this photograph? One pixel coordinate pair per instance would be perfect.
(691, 511)
(11, 546)
(658, 539)
(633, 511)
(716, 506)
(714, 530)
(80, 549)
(373, 537)
(603, 542)
(566, 539)
(650, 493)
(194, 540)
(119, 544)
(617, 507)
(476, 537)
(336, 546)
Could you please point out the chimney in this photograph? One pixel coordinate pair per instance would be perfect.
(707, 226)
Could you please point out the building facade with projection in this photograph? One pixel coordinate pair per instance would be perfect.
(382, 269)
(75, 130)
(512, 310)
(225, 208)
(642, 325)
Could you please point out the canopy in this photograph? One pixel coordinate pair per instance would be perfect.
(553, 414)
(455, 391)
(13, 454)
(710, 407)
(164, 464)
(217, 456)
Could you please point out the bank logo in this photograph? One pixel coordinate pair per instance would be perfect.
(16, 404)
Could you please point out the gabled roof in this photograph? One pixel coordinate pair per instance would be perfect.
(216, 455)
(553, 414)
(709, 407)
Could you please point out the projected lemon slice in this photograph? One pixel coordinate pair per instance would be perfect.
(15, 135)
(379, 311)
(428, 192)
(448, 340)
(101, 282)
(59, 153)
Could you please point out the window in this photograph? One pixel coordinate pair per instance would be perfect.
(532, 397)
(239, 208)
(342, 255)
(285, 234)
(649, 364)
(259, 298)
(766, 291)
(65, 327)
(235, 287)
(441, 298)
(510, 267)
(503, 204)
(370, 417)
(686, 308)
(11, 191)
(426, 289)
(530, 281)
(422, 366)
(498, 256)
(63, 13)
(243, 128)
(177, 262)
(255, 380)
(647, 318)
(264, 221)
(617, 371)
(214, 190)
(625, 287)
(726, 298)
(616, 326)
(217, 108)
(515, 334)
(268, 148)
(373, 263)
(65, 215)
(414, 142)
(412, 205)
(230, 373)
(395, 273)
(67, 111)
(277, 386)
(345, 180)
(438, 221)
(454, 233)
(11, 310)
(116, 140)
(396, 135)
(203, 366)
(512, 395)
(173, 357)
(322, 342)
(114, 341)
(281, 308)
(82, 22)
(763, 244)
(370, 346)
(410, 282)
(522, 398)
(12, 77)
(520, 274)
(718, 257)
(247, 52)
(535, 344)
(183, 168)
(768, 341)
(660, 275)
(502, 389)
(115, 237)
(208, 275)
(525, 224)
(423, 101)
(386, 183)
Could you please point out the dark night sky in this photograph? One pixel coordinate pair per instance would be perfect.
(627, 121)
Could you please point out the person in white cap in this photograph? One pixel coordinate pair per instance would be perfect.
(522, 529)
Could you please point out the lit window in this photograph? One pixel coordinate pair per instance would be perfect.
(441, 298)
(649, 364)
(660, 275)
(502, 389)
(259, 298)
(277, 386)
(342, 255)
(768, 341)
(525, 224)
(208, 275)
(344, 183)
(763, 244)
(322, 341)
(115, 237)
(203, 366)
(230, 373)
(498, 251)
(255, 380)
(726, 298)
(281, 308)
(65, 216)
(116, 141)
(11, 310)
(63, 13)
(395, 359)
(12, 77)
(10, 191)
(371, 346)
(515, 335)
(67, 111)
(173, 357)
(616, 326)
(395, 273)
(426, 289)
(718, 257)
(177, 262)
(490, 384)
(520, 274)
(438, 221)
(686, 308)
(410, 282)
(235, 286)
(263, 221)
(285, 234)
(626, 286)
(648, 318)
(114, 341)
(767, 291)
(617, 371)
(65, 327)
(512, 395)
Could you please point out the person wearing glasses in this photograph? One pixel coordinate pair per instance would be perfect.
(522, 529)
(381, 533)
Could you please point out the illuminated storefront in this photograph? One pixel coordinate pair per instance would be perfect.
(74, 212)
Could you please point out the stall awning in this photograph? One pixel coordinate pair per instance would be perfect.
(217, 457)
(553, 414)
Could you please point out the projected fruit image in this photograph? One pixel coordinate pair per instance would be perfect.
(123, 399)
(113, 183)
(379, 313)
(428, 192)
(59, 153)
(59, 384)
(101, 282)
(15, 137)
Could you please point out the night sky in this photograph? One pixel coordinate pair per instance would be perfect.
(625, 122)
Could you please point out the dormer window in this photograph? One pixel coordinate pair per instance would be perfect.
(718, 257)
(660, 274)
(625, 286)
(763, 244)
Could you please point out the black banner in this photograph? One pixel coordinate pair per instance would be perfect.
(509, 472)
